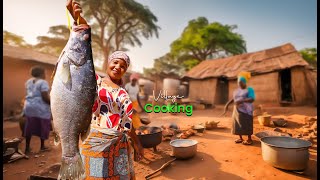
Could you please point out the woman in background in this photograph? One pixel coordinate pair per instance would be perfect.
(242, 115)
(37, 108)
(133, 89)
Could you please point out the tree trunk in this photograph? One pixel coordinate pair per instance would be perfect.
(105, 55)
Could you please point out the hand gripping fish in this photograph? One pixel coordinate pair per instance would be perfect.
(72, 96)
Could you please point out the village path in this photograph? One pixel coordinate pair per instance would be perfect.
(218, 156)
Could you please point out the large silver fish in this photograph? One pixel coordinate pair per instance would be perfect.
(72, 96)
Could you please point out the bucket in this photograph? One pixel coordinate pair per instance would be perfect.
(264, 120)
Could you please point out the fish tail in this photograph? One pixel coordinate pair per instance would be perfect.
(72, 168)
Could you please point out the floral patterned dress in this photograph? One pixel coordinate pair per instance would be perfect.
(106, 151)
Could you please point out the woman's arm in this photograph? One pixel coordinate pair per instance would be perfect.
(251, 96)
(127, 119)
(75, 10)
(139, 101)
(249, 100)
(136, 143)
(44, 90)
(45, 97)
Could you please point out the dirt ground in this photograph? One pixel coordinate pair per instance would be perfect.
(218, 157)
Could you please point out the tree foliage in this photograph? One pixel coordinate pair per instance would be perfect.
(55, 41)
(166, 64)
(14, 39)
(118, 23)
(201, 39)
(310, 55)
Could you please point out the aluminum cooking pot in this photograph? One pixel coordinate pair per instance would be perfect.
(285, 152)
(184, 148)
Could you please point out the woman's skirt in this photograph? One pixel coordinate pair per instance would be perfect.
(38, 127)
(242, 123)
(107, 157)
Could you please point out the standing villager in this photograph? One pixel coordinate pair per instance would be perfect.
(107, 149)
(133, 90)
(37, 108)
(242, 116)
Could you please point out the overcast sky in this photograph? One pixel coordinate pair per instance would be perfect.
(263, 24)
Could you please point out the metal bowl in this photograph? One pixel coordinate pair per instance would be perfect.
(285, 152)
(280, 122)
(199, 128)
(150, 140)
(184, 148)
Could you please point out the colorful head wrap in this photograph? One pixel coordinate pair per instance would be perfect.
(119, 55)
(244, 76)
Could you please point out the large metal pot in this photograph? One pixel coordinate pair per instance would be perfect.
(150, 140)
(184, 148)
(285, 152)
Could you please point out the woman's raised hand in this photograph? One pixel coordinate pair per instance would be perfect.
(75, 10)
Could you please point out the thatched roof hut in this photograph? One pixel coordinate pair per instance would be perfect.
(278, 74)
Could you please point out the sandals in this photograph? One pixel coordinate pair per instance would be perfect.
(238, 141)
(45, 149)
(247, 142)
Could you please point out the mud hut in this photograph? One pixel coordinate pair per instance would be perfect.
(279, 76)
(17, 63)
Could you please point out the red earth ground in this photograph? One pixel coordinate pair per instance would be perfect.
(218, 157)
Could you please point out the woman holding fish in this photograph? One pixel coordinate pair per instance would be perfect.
(242, 115)
(106, 148)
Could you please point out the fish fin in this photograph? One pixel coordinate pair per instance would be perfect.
(55, 68)
(54, 72)
(65, 75)
(72, 168)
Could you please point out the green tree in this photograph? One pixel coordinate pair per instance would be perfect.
(55, 42)
(117, 23)
(310, 55)
(165, 64)
(201, 39)
(14, 40)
